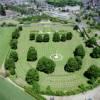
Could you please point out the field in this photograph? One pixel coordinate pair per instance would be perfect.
(10, 92)
(5, 36)
(59, 80)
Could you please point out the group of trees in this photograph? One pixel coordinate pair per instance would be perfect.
(15, 36)
(63, 37)
(74, 64)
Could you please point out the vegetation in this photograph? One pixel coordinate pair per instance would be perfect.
(39, 38)
(56, 37)
(32, 36)
(46, 38)
(14, 55)
(2, 10)
(46, 65)
(69, 36)
(72, 65)
(79, 51)
(32, 54)
(32, 76)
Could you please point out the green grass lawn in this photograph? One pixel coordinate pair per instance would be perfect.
(5, 36)
(59, 80)
(10, 92)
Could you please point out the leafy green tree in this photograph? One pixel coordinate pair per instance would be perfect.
(69, 36)
(92, 72)
(56, 37)
(46, 38)
(15, 34)
(32, 54)
(13, 44)
(63, 37)
(95, 53)
(46, 65)
(39, 38)
(91, 42)
(2, 10)
(9, 63)
(72, 65)
(31, 76)
(14, 55)
(79, 51)
(32, 36)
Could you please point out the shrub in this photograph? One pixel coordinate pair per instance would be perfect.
(56, 37)
(13, 44)
(32, 36)
(95, 53)
(31, 76)
(69, 36)
(46, 38)
(14, 55)
(39, 38)
(32, 54)
(76, 27)
(79, 60)
(72, 65)
(20, 28)
(91, 42)
(15, 34)
(92, 72)
(79, 51)
(63, 37)
(46, 65)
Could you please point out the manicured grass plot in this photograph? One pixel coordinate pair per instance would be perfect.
(59, 80)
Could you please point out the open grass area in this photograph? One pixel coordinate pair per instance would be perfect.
(5, 36)
(59, 80)
(10, 92)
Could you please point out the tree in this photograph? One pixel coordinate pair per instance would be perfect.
(14, 55)
(32, 54)
(56, 37)
(39, 38)
(69, 36)
(95, 53)
(63, 37)
(9, 64)
(2, 10)
(32, 36)
(15, 34)
(79, 51)
(13, 44)
(72, 65)
(46, 38)
(76, 27)
(46, 65)
(91, 42)
(20, 28)
(31, 76)
(92, 72)
(79, 60)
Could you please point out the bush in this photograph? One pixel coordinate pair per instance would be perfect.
(14, 55)
(92, 72)
(15, 34)
(56, 37)
(46, 38)
(69, 36)
(72, 65)
(91, 42)
(32, 54)
(76, 27)
(39, 38)
(46, 65)
(32, 36)
(9, 64)
(79, 51)
(79, 60)
(63, 37)
(20, 28)
(95, 53)
(31, 76)
(13, 44)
